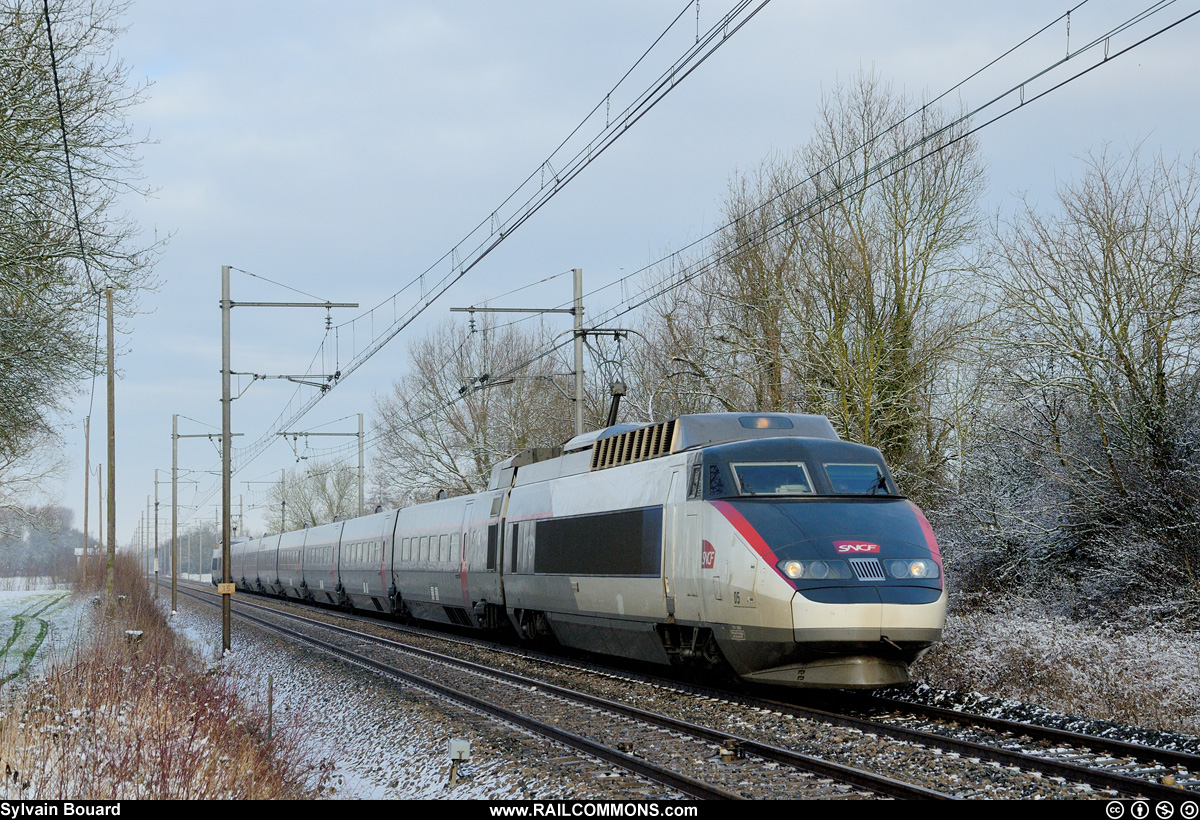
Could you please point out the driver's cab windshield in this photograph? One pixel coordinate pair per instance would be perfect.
(775, 478)
(856, 479)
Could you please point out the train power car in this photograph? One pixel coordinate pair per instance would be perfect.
(761, 542)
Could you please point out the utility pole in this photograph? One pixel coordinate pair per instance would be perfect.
(226, 588)
(87, 473)
(174, 510)
(361, 473)
(112, 458)
(360, 465)
(227, 305)
(156, 533)
(578, 275)
(175, 436)
(146, 534)
(100, 508)
(579, 332)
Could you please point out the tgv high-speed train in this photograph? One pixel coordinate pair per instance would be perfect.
(758, 541)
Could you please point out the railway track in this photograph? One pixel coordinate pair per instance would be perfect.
(686, 758)
(995, 762)
(1180, 769)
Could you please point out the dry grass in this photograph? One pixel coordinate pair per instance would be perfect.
(117, 719)
(1146, 677)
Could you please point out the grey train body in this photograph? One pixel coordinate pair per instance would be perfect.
(760, 541)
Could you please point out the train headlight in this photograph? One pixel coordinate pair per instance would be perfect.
(922, 568)
(814, 570)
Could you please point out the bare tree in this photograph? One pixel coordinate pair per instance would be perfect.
(1103, 299)
(51, 275)
(315, 494)
(23, 474)
(840, 286)
(880, 297)
(677, 365)
(457, 413)
(757, 267)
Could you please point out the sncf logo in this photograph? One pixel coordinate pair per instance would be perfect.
(708, 556)
(845, 547)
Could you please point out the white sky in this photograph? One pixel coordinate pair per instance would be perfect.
(342, 148)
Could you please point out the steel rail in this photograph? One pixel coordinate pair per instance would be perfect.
(1097, 778)
(1122, 783)
(860, 778)
(657, 774)
(1138, 751)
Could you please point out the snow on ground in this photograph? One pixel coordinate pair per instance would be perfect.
(37, 623)
(381, 739)
(1147, 676)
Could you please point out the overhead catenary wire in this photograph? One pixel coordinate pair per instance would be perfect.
(437, 279)
(636, 300)
(83, 258)
(873, 175)
(901, 159)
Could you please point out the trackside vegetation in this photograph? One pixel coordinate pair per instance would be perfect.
(130, 712)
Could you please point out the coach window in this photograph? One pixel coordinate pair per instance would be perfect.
(493, 543)
(526, 564)
(444, 549)
(454, 556)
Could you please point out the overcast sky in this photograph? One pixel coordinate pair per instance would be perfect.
(342, 148)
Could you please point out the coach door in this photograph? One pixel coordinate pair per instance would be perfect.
(685, 552)
(670, 525)
(462, 537)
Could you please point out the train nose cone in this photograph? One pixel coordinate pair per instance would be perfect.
(820, 616)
